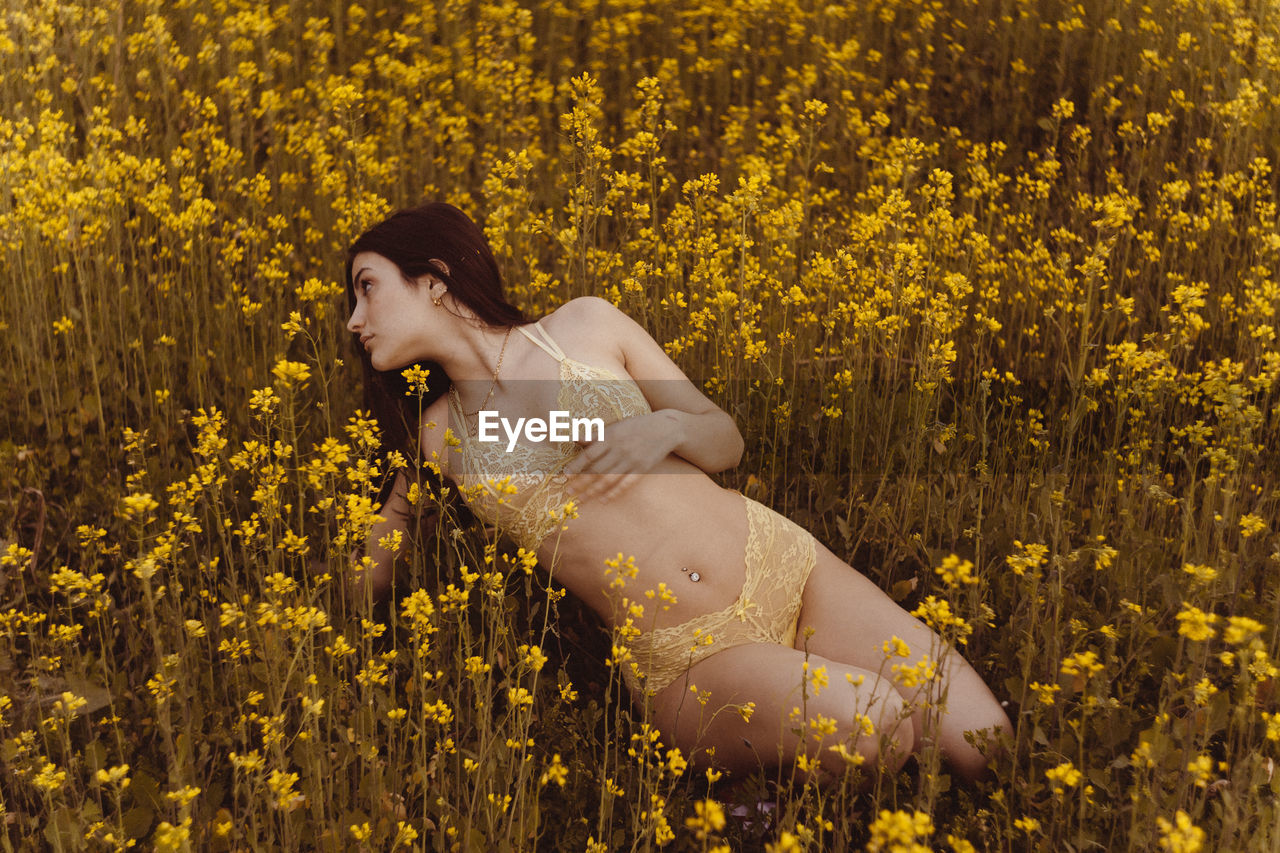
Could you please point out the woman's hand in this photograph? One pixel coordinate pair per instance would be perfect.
(631, 447)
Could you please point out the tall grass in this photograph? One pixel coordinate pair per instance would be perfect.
(984, 281)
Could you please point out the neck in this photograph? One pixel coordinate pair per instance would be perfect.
(473, 357)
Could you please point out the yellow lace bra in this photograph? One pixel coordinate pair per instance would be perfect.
(522, 492)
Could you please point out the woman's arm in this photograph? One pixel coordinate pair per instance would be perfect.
(397, 512)
(683, 421)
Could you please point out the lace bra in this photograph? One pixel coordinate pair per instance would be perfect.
(522, 492)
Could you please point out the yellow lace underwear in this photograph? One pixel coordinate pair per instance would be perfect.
(779, 557)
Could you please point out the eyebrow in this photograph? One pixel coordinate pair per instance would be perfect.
(357, 276)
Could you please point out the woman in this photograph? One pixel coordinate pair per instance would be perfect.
(423, 286)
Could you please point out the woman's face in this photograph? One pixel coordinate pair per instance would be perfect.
(392, 317)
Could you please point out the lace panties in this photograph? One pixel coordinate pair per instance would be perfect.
(779, 557)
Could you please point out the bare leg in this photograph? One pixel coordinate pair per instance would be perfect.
(786, 722)
(851, 619)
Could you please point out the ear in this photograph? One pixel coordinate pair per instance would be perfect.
(439, 264)
(436, 288)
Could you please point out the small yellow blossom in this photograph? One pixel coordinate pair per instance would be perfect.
(1194, 623)
(1180, 836)
(1032, 556)
(291, 374)
(1065, 775)
(1027, 824)
(900, 830)
(555, 772)
(1251, 525)
(708, 817)
(956, 572)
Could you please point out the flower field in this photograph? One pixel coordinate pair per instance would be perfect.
(989, 286)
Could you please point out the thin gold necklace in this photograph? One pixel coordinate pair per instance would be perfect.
(494, 382)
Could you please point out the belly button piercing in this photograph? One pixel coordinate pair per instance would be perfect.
(693, 576)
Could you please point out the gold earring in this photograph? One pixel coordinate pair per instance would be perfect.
(437, 300)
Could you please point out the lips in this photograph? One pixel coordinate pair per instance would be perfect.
(364, 340)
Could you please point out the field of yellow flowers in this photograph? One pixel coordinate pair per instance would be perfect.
(990, 287)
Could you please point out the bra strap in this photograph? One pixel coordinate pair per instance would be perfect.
(551, 348)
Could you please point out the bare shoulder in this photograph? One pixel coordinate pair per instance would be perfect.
(592, 307)
(592, 312)
(591, 323)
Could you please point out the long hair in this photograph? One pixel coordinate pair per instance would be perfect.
(412, 239)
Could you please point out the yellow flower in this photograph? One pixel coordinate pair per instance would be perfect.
(786, 844)
(416, 376)
(555, 772)
(406, 834)
(63, 326)
(533, 657)
(1251, 525)
(1044, 692)
(264, 400)
(1082, 664)
(1200, 767)
(183, 796)
(817, 678)
(1027, 824)
(117, 775)
(956, 572)
(1241, 629)
(1273, 725)
(937, 614)
(136, 505)
(676, 762)
(1193, 623)
(1200, 574)
(923, 671)
(50, 778)
(1181, 836)
(896, 646)
(900, 830)
(708, 817)
(1203, 690)
(1032, 556)
(1065, 775)
(170, 839)
(292, 326)
(291, 374)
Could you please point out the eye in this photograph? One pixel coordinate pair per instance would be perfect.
(363, 286)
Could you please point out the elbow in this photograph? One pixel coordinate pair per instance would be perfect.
(733, 447)
(737, 446)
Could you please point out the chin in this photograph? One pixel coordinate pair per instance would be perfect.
(382, 367)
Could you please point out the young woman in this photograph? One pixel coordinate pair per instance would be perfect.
(423, 286)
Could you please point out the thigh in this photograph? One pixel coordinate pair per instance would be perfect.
(844, 616)
(792, 711)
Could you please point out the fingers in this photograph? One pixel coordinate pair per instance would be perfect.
(604, 486)
(623, 483)
(590, 454)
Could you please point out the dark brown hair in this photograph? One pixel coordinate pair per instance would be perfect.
(413, 239)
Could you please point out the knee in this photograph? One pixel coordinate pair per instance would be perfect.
(987, 732)
(894, 737)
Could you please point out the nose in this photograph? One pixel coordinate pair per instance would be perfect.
(352, 325)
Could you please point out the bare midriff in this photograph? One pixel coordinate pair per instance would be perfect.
(674, 517)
